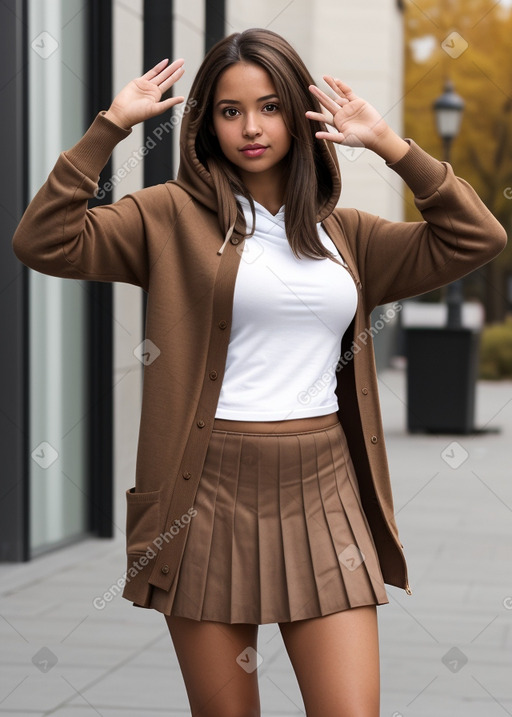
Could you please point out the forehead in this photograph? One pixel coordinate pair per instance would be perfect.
(243, 80)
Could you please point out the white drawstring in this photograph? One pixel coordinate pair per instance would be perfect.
(228, 236)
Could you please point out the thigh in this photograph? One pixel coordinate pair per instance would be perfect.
(336, 661)
(218, 664)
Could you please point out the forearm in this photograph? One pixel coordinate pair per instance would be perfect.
(390, 146)
(59, 207)
(91, 153)
(115, 119)
(458, 233)
(59, 235)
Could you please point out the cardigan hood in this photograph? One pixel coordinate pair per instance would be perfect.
(197, 180)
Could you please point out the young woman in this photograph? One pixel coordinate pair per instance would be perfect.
(262, 491)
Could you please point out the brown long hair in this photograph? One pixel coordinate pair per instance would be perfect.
(310, 181)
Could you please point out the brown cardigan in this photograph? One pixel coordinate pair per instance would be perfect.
(167, 239)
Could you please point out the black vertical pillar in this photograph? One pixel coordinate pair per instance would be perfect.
(158, 44)
(14, 363)
(100, 295)
(215, 22)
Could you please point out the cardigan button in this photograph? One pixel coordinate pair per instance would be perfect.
(364, 391)
(223, 324)
(164, 569)
(187, 475)
(201, 424)
(234, 240)
(213, 375)
(374, 439)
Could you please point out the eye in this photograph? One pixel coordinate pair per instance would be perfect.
(229, 109)
(273, 106)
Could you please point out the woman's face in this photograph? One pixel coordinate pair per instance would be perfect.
(247, 112)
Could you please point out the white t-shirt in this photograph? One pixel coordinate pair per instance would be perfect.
(289, 316)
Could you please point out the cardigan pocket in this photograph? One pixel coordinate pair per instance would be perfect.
(142, 520)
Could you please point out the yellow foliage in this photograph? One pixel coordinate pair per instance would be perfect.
(496, 351)
(481, 73)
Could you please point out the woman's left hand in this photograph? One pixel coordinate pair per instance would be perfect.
(358, 124)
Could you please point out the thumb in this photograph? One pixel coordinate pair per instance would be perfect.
(165, 105)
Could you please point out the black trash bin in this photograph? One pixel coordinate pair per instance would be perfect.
(442, 370)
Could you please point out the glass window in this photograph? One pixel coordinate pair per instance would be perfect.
(58, 322)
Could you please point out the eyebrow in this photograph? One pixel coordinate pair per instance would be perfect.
(237, 102)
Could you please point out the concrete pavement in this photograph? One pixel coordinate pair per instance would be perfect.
(446, 650)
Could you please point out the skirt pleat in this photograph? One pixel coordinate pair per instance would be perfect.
(272, 588)
(280, 533)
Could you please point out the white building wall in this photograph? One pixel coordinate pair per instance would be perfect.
(127, 379)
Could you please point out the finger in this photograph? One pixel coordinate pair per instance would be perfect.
(333, 85)
(339, 85)
(169, 82)
(324, 99)
(169, 73)
(160, 70)
(165, 105)
(337, 137)
(340, 98)
(155, 70)
(319, 117)
(170, 70)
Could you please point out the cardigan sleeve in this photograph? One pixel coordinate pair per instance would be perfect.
(58, 235)
(397, 260)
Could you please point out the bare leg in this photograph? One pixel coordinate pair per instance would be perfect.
(216, 683)
(336, 661)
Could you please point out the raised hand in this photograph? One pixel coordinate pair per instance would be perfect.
(356, 122)
(140, 99)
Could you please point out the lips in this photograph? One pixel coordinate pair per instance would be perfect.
(253, 150)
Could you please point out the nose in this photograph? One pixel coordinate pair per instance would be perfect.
(252, 126)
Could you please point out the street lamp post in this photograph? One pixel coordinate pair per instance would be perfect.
(448, 109)
(442, 362)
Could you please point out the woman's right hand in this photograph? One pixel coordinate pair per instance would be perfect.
(139, 100)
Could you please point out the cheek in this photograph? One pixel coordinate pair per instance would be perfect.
(223, 134)
(284, 134)
(286, 138)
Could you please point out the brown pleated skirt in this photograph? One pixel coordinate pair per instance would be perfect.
(280, 534)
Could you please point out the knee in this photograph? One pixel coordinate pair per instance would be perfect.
(231, 710)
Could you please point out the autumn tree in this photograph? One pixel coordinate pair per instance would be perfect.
(468, 42)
